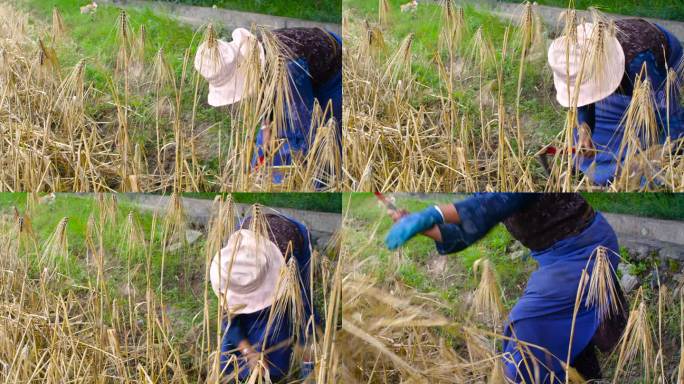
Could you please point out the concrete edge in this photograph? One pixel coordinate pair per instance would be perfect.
(551, 15)
(198, 16)
(667, 231)
(199, 212)
(635, 227)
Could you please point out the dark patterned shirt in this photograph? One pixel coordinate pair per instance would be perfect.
(551, 218)
(638, 36)
(642, 43)
(319, 48)
(537, 220)
(281, 231)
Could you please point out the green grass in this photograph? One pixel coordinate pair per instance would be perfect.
(424, 23)
(365, 215)
(411, 266)
(94, 38)
(540, 118)
(323, 202)
(661, 9)
(8, 200)
(669, 206)
(183, 269)
(329, 11)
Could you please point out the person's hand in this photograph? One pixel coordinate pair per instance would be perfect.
(585, 146)
(397, 214)
(411, 225)
(250, 355)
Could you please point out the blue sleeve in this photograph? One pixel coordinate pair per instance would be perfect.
(478, 214)
(587, 114)
(303, 257)
(656, 74)
(299, 113)
(234, 334)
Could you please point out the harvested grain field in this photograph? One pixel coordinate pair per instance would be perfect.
(92, 290)
(413, 315)
(109, 100)
(451, 98)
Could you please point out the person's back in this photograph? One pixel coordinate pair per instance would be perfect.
(274, 331)
(300, 68)
(321, 50)
(650, 52)
(566, 238)
(631, 66)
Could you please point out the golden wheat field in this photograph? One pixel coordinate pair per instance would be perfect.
(404, 322)
(103, 295)
(450, 98)
(128, 120)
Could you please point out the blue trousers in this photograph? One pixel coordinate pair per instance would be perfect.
(297, 133)
(609, 128)
(544, 314)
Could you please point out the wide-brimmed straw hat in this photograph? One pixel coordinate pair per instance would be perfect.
(227, 73)
(572, 57)
(246, 272)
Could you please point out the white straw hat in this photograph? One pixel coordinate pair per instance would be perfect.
(246, 272)
(595, 83)
(227, 73)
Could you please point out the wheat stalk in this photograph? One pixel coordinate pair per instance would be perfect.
(487, 303)
(636, 340)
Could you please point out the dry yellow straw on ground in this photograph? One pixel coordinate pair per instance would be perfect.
(401, 134)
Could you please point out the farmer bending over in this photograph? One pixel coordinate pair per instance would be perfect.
(246, 276)
(602, 90)
(314, 66)
(562, 231)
